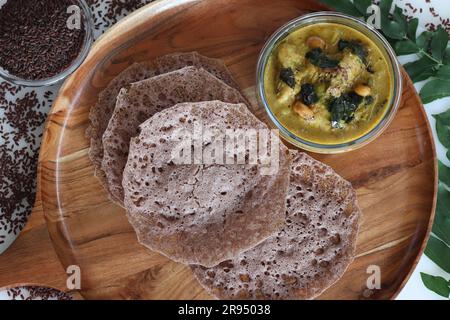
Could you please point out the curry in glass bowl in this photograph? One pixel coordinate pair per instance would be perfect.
(329, 86)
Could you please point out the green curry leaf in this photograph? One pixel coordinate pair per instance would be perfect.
(444, 177)
(443, 133)
(439, 252)
(421, 69)
(400, 18)
(447, 56)
(435, 89)
(362, 5)
(439, 42)
(443, 72)
(423, 41)
(436, 284)
(393, 28)
(385, 7)
(444, 116)
(412, 29)
(443, 127)
(406, 47)
(441, 227)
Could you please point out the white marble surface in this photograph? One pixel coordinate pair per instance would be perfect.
(33, 293)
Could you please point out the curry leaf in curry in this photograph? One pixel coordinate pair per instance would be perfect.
(308, 95)
(319, 58)
(288, 77)
(355, 47)
(343, 108)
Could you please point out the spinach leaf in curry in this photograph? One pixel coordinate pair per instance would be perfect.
(342, 109)
(288, 77)
(355, 47)
(319, 58)
(308, 95)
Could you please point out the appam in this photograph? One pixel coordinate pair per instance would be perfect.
(141, 100)
(202, 213)
(101, 112)
(309, 254)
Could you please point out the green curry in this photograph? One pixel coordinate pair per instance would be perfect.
(327, 83)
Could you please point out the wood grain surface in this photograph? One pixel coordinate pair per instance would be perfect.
(31, 258)
(395, 176)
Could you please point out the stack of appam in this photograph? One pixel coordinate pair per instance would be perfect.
(246, 234)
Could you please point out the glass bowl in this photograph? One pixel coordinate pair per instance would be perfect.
(88, 39)
(359, 25)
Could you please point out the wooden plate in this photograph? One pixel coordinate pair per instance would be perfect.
(395, 176)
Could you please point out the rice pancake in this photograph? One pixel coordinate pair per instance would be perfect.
(101, 112)
(141, 100)
(308, 255)
(216, 67)
(201, 213)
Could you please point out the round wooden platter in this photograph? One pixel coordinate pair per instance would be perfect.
(395, 176)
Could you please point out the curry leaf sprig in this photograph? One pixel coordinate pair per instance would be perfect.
(433, 64)
(431, 47)
(438, 247)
